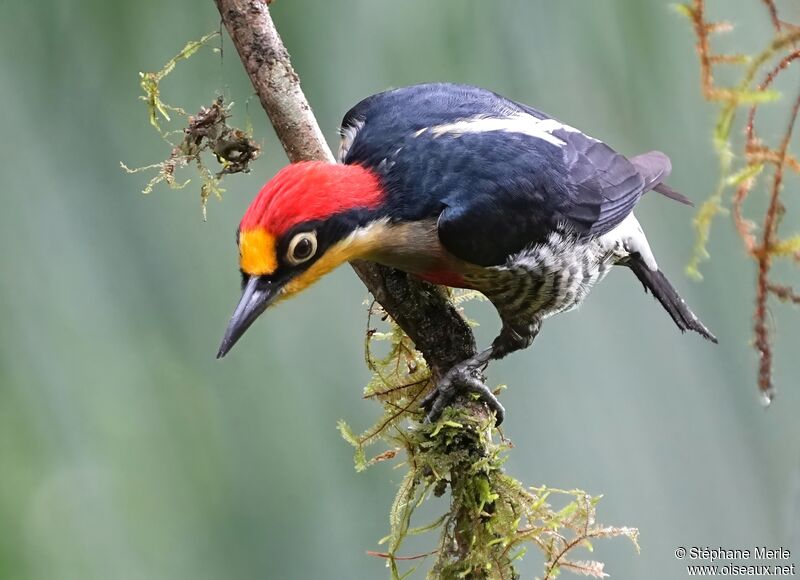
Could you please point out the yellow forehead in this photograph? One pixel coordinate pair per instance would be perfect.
(257, 252)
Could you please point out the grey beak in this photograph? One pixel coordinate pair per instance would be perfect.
(257, 295)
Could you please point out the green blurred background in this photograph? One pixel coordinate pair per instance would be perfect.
(128, 451)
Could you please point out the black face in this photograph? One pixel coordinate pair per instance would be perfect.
(296, 251)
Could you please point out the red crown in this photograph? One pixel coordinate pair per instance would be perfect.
(311, 190)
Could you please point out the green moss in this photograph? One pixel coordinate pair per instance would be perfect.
(492, 519)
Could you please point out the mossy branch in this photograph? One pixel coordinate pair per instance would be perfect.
(492, 518)
(421, 310)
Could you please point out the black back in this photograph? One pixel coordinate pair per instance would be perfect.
(493, 192)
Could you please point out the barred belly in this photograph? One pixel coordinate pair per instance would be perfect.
(544, 279)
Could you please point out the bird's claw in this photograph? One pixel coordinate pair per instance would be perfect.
(460, 379)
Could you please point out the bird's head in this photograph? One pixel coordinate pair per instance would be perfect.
(310, 218)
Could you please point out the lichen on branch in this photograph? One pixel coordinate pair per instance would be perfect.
(492, 519)
(205, 134)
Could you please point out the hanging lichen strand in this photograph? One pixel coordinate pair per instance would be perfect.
(492, 519)
(206, 132)
(754, 167)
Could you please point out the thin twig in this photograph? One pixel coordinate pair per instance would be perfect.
(766, 247)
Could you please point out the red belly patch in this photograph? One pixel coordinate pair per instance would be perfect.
(444, 278)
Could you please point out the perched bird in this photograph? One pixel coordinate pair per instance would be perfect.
(464, 188)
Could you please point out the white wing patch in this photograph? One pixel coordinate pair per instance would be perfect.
(517, 123)
(348, 134)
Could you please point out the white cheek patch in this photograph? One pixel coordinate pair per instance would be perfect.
(517, 123)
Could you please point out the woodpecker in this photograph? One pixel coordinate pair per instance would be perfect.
(461, 187)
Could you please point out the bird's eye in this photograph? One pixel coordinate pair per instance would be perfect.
(302, 248)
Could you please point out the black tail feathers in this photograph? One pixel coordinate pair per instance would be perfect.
(655, 282)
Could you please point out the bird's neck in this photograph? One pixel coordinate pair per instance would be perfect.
(413, 247)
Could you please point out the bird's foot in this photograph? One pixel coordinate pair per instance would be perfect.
(459, 380)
